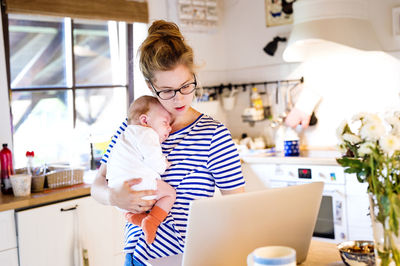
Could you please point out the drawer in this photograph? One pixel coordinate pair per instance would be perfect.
(8, 235)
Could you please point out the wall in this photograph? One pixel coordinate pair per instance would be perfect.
(233, 53)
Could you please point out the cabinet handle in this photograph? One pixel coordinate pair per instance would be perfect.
(69, 209)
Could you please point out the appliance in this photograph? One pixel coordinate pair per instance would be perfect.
(332, 222)
(321, 27)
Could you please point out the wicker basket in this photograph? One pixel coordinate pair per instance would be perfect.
(62, 177)
(58, 176)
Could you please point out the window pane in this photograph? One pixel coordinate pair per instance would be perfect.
(99, 113)
(42, 122)
(37, 52)
(96, 53)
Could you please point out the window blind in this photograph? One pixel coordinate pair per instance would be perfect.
(119, 10)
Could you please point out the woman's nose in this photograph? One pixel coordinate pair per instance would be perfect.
(178, 96)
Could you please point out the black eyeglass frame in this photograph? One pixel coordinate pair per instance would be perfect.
(176, 90)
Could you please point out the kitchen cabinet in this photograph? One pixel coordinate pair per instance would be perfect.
(73, 232)
(8, 240)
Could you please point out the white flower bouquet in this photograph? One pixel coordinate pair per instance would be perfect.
(371, 150)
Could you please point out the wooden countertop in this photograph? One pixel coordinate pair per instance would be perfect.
(9, 202)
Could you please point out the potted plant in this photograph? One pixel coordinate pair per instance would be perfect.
(371, 150)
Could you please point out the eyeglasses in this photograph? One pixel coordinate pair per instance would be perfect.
(169, 94)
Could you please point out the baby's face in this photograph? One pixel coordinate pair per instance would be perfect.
(159, 120)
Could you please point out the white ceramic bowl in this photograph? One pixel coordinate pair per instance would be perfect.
(21, 184)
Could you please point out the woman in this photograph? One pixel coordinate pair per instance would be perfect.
(200, 149)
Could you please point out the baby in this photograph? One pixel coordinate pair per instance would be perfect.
(138, 155)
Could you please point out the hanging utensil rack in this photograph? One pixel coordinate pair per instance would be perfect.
(218, 89)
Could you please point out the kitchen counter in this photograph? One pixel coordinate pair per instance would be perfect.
(309, 157)
(9, 202)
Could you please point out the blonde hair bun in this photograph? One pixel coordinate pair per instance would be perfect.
(164, 49)
(165, 29)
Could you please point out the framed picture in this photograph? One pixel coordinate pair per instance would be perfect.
(279, 12)
(396, 21)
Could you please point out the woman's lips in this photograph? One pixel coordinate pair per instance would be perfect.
(180, 108)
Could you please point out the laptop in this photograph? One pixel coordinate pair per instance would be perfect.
(225, 230)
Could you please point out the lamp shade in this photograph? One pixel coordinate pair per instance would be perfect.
(322, 27)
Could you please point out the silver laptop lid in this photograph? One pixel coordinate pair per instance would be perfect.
(224, 230)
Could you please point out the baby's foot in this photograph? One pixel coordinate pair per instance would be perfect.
(135, 218)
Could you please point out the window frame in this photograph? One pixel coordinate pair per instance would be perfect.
(129, 85)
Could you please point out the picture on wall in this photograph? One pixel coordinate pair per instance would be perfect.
(279, 12)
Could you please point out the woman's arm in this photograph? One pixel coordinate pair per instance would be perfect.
(232, 191)
(123, 197)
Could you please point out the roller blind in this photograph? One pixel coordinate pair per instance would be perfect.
(119, 10)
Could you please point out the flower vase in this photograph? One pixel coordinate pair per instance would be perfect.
(386, 238)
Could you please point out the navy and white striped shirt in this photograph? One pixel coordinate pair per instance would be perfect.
(203, 157)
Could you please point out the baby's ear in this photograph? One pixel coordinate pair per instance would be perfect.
(143, 119)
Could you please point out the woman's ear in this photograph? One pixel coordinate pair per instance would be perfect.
(143, 120)
(149, 86)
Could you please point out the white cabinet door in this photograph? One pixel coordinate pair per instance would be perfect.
(102, 232)
(47, 236)
(8, 237)
(9, 257)
(76, 232)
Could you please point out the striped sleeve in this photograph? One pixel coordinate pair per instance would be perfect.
(114, 140)
(224, 161)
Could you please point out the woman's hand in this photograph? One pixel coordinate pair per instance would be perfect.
(126, 198)
(123, 197)
(297, 117)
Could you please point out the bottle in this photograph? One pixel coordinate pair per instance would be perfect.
(256, 100)
(279, 140)
(6, 169)
(29, 156)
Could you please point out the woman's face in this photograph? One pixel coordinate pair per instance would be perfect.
(172, 80)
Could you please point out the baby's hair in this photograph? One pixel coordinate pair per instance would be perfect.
(140, 106)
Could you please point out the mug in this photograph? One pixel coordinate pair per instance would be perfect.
(228, 103)
(272, 255)
(291, 147)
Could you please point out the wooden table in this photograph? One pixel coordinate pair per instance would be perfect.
(322, 253)
(319, 254)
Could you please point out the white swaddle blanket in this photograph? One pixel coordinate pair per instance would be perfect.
(136, 154)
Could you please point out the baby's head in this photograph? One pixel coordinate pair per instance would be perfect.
(147, 111)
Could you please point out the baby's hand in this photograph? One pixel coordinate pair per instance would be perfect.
(168, 163)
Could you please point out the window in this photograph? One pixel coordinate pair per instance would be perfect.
(68, 81)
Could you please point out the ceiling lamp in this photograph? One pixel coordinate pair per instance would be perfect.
(322, 27)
